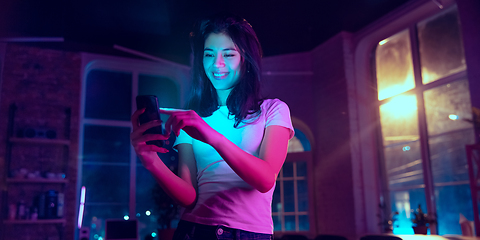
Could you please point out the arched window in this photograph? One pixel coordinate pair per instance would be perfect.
(299, 142)
(423, 108)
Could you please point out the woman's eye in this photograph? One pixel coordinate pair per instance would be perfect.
(229, 55)
(208, 55)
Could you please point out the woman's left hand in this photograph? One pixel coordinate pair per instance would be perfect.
(191, 123)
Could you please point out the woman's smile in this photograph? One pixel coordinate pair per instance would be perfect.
(219, 76)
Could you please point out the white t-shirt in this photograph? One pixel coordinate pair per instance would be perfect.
(223, 197)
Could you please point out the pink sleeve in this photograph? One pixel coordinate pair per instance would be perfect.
(278, 113)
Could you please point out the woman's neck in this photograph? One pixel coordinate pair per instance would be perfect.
(222, 96)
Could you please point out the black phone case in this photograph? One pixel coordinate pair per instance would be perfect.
(150, 103)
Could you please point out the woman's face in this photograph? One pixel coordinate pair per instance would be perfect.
(221, 61)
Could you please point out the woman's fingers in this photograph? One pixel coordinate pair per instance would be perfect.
(134, 118)
(140, 143)
(143, 127)
(139, 140)
(149, 137)
(179, 119)
(139, 130)
(150, 148)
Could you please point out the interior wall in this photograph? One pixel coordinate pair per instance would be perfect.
(289, 78)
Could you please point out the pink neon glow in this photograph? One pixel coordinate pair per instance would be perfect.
(82, 206)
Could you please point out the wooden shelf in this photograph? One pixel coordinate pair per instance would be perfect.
(40, 141)
(36, 180)
(38, 221)
(19, 151)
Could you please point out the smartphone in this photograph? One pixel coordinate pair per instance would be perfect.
(150, 103)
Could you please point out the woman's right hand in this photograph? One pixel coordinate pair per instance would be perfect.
(146, 152)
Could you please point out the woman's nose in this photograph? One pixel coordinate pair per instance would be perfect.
(219, 62)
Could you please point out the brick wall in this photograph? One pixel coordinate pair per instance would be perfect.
(43, 82)
(333, 166)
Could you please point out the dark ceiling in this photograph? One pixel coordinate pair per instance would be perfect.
(160, 27)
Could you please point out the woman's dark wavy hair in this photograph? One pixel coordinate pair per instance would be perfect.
(244, 99)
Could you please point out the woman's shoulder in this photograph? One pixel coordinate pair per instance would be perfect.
(273, 103)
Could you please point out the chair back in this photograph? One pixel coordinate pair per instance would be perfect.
(329, 237)
(380, 237)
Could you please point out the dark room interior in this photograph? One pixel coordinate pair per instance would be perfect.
(383, 97)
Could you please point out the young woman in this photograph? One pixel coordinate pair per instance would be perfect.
(231, 143)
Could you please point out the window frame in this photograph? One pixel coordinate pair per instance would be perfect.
(418, 91)
(177, 73)
(366, 141)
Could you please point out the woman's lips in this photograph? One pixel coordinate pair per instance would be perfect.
(219, 76)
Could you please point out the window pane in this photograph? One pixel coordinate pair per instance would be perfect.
(294, 145)
(399, 121)
(301, 168)
(440, 46)
(403, 167)
(302, 195)
(447, 108)
(277, 223)
(451, 202)
(299, 142)
(403, 202)
(106, 183)
(399, 124)
(103, 145)
(106, 144)
(108, 95)
(276, 204)
(95, 217)
(289, 196)
(394, 66)
(287, 169)
(146, 210)
(154, 209)
(289, 223)
(304, 224)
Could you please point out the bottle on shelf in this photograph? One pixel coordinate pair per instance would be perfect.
(51, 204)
(12, 211)
(21, 210)
(34, 215)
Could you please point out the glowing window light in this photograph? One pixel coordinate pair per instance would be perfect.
(393, 90)
(148, 213)
(126, 217)
(100, 238)
(401, 106)
(154, 234)
(428, 76)
(453, 117)
(383, 42)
